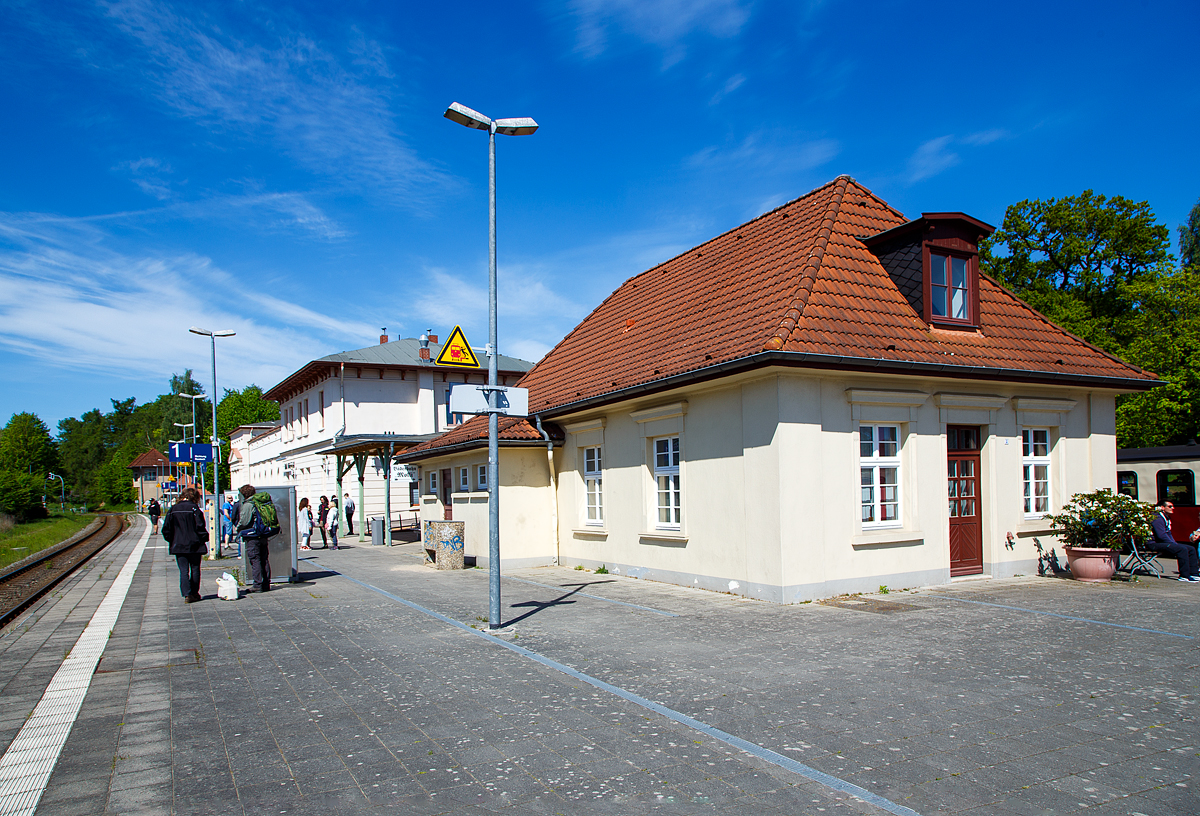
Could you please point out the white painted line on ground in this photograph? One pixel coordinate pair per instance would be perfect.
(27, 764)
(767, 754)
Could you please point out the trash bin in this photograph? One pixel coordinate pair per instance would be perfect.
(445, 539)
(378, 533)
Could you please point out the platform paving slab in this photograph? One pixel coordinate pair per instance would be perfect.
(327, 695)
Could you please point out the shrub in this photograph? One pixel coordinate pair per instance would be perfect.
(21, 495)
(1104, 519)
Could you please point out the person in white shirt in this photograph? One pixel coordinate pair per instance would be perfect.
(304, 523)
(349, 505)
(332, 522)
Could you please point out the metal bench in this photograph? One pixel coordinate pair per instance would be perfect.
(1140, 557)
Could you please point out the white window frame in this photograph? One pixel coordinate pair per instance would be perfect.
(433, 482)
(593, 485)
(1030, 460)
(464, 480)
(321, 408)
(877, 455)
(668, 482)
(481, 477)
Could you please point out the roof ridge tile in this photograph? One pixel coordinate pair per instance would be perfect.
(808, 275)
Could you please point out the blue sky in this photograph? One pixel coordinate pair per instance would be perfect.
(285, 170)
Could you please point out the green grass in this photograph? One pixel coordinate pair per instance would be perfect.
(33, 536)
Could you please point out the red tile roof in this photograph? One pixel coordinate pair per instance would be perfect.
(513, 432)
(150, 458)
(796, 286)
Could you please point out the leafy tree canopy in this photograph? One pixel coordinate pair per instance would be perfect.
(1073, 259)
(26, 446)
(1101, 268)
(1189, 238)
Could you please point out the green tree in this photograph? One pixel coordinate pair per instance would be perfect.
(1100, 267)
(1073, 258)
(21, 495)
(26, 446)
(1189, 238)
(1165, 332)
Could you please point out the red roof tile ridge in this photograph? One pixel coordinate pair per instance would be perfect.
(808, 275)
(1020, 301)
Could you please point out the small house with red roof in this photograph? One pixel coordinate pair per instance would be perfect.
(829, 398)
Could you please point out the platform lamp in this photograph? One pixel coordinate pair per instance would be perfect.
(216, 443)
(522, 126)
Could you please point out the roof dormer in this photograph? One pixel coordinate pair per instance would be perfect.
(934, 262)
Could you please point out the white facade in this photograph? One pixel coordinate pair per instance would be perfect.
(766, 499)
(380, 390)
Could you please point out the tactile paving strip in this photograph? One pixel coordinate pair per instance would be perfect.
(27, 764)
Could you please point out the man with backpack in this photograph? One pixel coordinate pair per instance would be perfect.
(256, 522)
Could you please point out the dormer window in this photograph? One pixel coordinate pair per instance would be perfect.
(934, 263)
(949, 286)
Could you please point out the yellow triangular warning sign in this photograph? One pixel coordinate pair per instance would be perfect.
(457, 351)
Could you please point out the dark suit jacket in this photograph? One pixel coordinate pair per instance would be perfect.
(1162, 533)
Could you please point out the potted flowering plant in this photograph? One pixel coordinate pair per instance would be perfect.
(1095, 526)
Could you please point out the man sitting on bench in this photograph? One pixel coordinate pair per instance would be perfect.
(1165, 543)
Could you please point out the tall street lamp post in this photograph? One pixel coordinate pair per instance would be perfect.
(216, 443)
(509, 127)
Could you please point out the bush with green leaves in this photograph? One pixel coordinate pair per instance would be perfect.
(21, 495)
(1102, 519)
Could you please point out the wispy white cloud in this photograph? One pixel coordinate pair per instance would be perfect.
(70, 303)
(777, 151)
(731, 85)
(937, 155)
(931, 158)
(335, 121)
(663, 23)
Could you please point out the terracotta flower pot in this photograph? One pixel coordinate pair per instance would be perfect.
(1092, 563)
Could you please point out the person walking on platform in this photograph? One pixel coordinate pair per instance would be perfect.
(333, 523)
(1164, 542)
(256, 547)
(348, 506)
(186, 532)
(227, 524)
(322, 519)
(304, 523)
(154, 510)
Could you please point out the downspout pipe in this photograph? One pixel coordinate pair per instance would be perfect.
(553, 486)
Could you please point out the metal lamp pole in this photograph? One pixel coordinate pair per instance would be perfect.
(216, 443)
(522, 126)
(63, 504)
(185, 426)
(195, 435)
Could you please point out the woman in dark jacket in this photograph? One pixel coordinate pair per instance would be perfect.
(154, 511)
(185, 529)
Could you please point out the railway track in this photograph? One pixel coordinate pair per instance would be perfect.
(25, 582)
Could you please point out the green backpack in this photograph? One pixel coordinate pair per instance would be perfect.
(265, 521)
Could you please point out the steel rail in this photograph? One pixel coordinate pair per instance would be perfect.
(78, 553)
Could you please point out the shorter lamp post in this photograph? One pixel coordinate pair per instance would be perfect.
(63, 504)
(216, 443)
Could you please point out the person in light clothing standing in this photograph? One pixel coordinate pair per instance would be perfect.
(348, 504)
(331, 523)
(304, 523)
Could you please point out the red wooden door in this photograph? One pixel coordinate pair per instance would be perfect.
(962, 483)
(447, 502)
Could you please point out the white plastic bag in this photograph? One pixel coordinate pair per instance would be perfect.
(227, 587)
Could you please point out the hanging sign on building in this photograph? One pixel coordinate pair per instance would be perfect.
(457, 351)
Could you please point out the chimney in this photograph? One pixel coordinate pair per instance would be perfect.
(423, 352)
(433, 339)
(383, 337)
